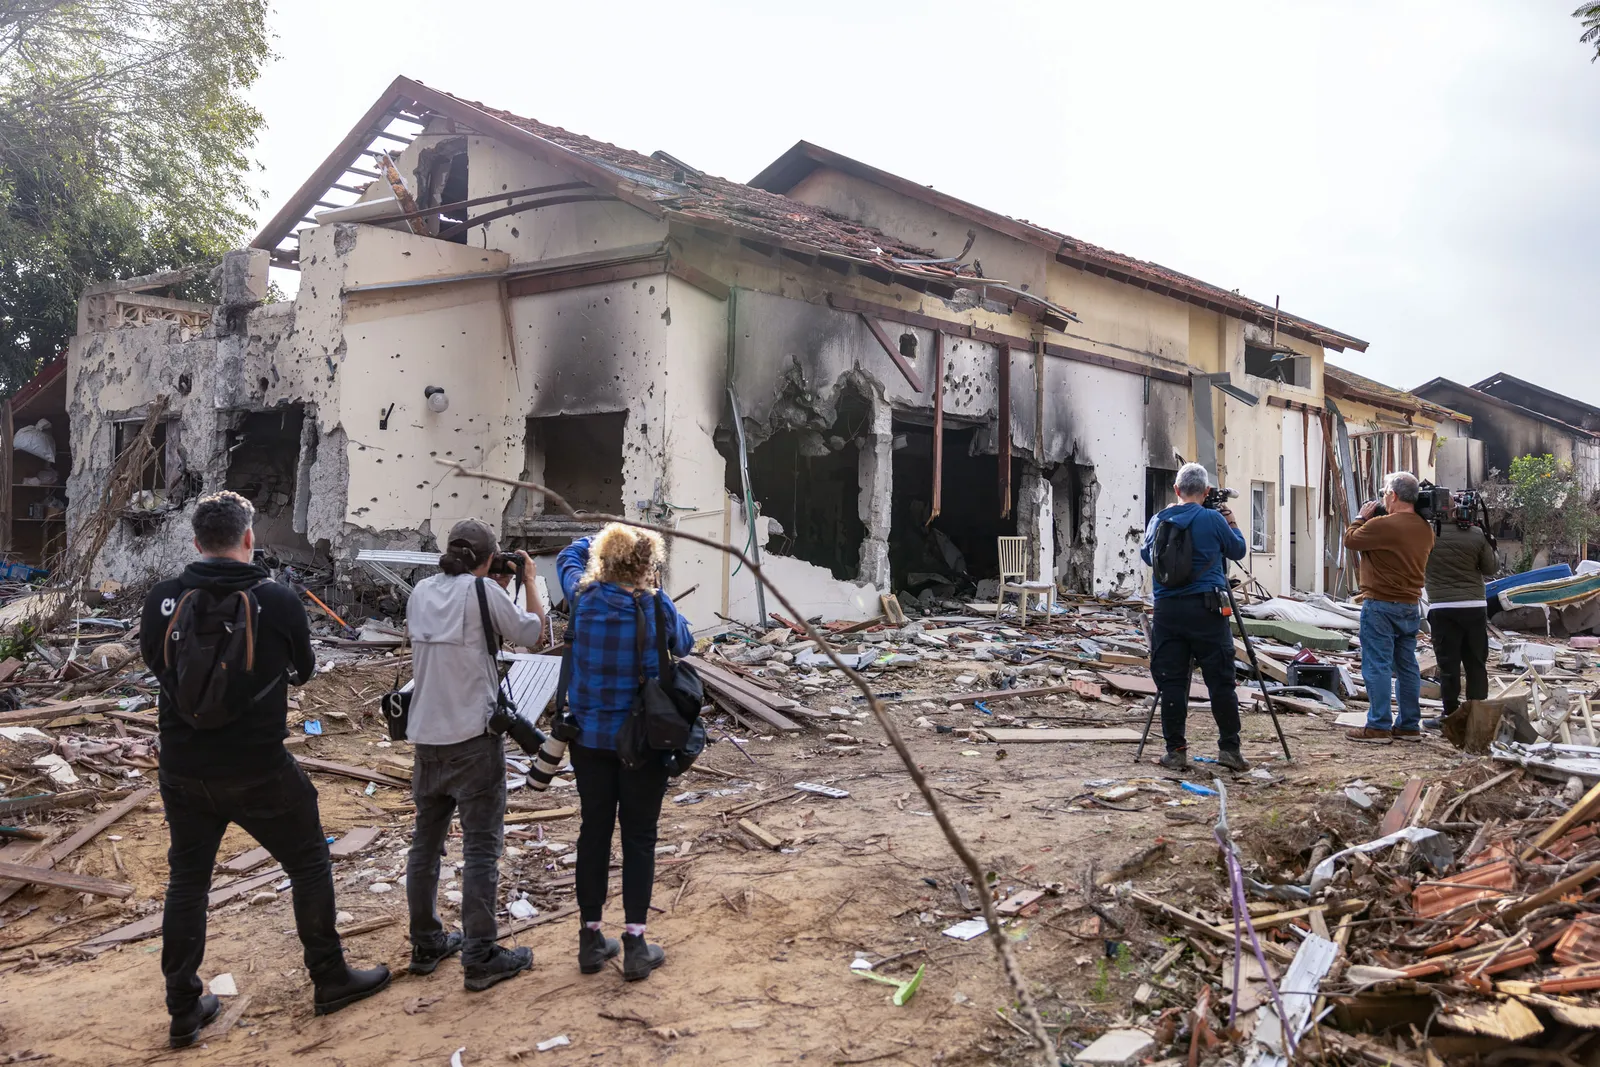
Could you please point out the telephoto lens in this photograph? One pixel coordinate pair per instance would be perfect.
(508, 720)
(546, 764)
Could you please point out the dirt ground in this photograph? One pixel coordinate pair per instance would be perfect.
(759, 943)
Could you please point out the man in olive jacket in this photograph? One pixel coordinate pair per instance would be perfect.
(1458, 609)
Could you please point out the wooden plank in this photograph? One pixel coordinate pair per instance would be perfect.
(44, 713)
(538, 920)
(1587, 807)
(730, 676)
(245, 862)
(353, 841)
(542, 815)
(78, 883)
(77, 798)
(1399, 813)
(1014, 904)
(150, 925)
(996, 694)
(8, 668)
(1266, 922)
(760, 833)
(1554, 892)
(344, 770)
(222, 1027)
(892, 609)
(1144, 685)
(83, 835)
(893, 352)
(1269, 666)
(737, 691)
(1195, 924)
(1007, 735)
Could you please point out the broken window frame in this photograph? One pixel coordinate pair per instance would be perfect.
(1282, 365)
(1261, 517)
(164, 470)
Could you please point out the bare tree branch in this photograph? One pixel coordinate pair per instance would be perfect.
(1008, 961)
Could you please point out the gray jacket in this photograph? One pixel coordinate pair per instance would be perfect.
(1460, 561)
(455, 680)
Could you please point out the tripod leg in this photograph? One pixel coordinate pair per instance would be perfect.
(1250, 651)
(1148, 723)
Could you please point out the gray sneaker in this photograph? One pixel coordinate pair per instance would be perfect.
(1176, 760)
(1231, 759)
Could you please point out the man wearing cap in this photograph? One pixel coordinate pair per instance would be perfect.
(460, 762)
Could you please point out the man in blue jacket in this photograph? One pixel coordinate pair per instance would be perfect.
(1190, 627)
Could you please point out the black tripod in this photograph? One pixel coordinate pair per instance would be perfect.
(1250, 651)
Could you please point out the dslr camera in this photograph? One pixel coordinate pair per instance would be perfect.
(1216, 497)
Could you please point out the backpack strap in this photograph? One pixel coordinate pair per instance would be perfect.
(639, 627)
(166, 638)
(491, 638)
(668, 668)
(564, 681)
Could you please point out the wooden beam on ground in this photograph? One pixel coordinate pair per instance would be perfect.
(1196, 925)
(1587, 808)
(78, 883)
(86, 833)
(344, 770)
(44, 713)
(1005, 735)
(735, 691)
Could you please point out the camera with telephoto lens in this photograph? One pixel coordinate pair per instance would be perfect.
(563, 731)
(508, 720)
(506, 563)
(1215, 497)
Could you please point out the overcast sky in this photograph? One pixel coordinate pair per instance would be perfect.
(1421, 175)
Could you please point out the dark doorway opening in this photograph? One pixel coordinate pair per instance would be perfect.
(577, 456)
(808, 482)
(264, 457)
(1074, 486)
(960, 546)
(1158, 491)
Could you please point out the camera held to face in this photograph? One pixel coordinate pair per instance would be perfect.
(1216, 498)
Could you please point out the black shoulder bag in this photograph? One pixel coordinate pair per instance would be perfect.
(665, 719)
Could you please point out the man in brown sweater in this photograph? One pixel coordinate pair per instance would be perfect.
(1394, 561)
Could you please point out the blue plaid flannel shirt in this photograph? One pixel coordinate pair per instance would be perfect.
(605, 675)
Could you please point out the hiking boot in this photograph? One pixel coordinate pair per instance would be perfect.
(185, 1028)
(640, 957)
(1370, 735)
(502, 963)
(1176, 760)
(426, 957)
(594, 948)
(1232, 759)
(346, 986)
(1406, 735)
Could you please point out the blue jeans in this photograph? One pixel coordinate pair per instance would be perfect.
(1389, 660)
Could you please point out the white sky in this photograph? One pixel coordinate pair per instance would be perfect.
(1418, 174)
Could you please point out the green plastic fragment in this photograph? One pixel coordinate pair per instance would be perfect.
(903, 991)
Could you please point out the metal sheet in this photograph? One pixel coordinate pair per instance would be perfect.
(532, 681)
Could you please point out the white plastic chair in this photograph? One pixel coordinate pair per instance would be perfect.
(1014, 564)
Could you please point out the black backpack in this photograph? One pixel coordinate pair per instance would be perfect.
(1172, 555)
(210, 643)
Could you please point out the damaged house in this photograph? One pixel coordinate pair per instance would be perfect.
(867, 381)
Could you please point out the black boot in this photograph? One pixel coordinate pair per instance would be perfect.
(594, 948)
(501, 964)
(425, 957)
(1176, 760)
(640, 957)
(347, 985)
(185, 1028)
(1232, 759)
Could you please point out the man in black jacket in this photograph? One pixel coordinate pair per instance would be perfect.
(239, 772)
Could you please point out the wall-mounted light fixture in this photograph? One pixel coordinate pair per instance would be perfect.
(437, 400)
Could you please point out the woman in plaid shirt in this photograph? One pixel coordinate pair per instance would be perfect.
(602, 578)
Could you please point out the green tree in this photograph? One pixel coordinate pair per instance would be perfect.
(124, 150)
(1549, 506)
(1589, 15)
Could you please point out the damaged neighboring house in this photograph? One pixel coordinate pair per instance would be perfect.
(1513, 418)
(866, 380)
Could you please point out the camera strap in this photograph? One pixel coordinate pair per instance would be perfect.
(491, 639)
(565, 680)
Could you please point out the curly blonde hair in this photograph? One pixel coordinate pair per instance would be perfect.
(625, 555)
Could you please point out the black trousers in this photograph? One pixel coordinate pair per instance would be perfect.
(1186, 632)
(607, 792)
(279, 809)
(469, 776)
(1461, 641)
